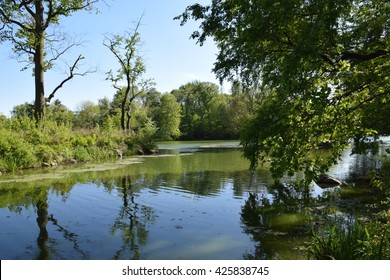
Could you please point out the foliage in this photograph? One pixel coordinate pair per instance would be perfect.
(143, 141)
(167, 117)
(323, 62)
(370, 240)
(26, 110)
(376, 116)
(14, 154)
(94, 131)
(196, 100)
(87, 115)
(59, 113)
(59, 143)
(355, 242)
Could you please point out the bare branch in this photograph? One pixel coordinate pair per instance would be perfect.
(58, 51)
(71, 75)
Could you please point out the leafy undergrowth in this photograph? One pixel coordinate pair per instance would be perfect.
(23, 145)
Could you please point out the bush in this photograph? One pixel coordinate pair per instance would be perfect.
(143, 140)
(15, 154)
(81, 154)
(45, 153)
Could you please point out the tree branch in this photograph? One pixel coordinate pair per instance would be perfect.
(327, 59)
(26, 4)
(7, 19)
(111, 46)
(363, 57)
(60, 10)
(56, 53)
(72, 73)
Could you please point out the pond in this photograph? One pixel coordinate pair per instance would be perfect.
(195, 200)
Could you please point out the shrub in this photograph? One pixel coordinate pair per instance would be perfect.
(81, 154)
(15, 152)
(23, 145)
(45, 153)
(143, 140)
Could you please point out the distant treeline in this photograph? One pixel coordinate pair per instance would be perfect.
(195, 111)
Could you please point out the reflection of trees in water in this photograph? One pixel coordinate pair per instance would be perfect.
(356, 168)
(27, 194)
(132, 223)
(201, 183)
(71, 237)
(43, 236)
(249, 180)
(276, 221)
(43, 218)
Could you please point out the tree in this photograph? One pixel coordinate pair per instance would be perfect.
(221, 118)
(323, 62)
(106, 112)
(167, 117)
(59, 113)
(27, 25)
(195, 100)
(87, 115)
(23, 110)
(125, 48)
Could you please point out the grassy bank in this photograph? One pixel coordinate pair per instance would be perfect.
(23, 145)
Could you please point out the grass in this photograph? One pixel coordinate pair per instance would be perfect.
(350, 242)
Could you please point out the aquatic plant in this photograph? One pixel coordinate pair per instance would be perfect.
(349, 242)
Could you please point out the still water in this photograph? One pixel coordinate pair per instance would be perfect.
(196, 200)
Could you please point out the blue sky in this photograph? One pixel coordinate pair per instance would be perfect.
(172, 59)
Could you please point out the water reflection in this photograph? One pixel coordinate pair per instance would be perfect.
(278, 221)
(42, 219)
(205, 205)
(131, 222)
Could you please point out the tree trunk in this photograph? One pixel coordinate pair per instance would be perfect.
(128, 121)
(39, 67)
(123, 109)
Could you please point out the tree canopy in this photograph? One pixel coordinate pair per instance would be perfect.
(322, 63)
